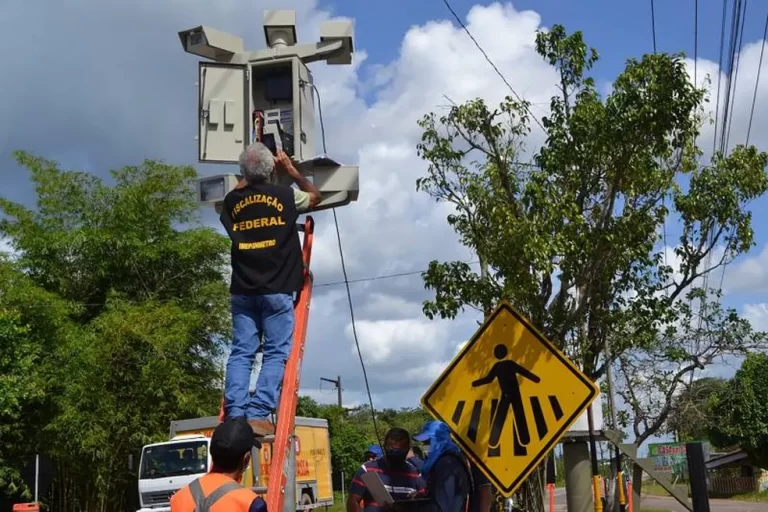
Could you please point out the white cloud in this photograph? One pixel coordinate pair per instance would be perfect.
(757, 314)
(396, 342)
(5, 247)
(117, 103)
(750, 273)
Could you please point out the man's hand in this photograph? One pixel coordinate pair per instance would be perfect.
(283, 163)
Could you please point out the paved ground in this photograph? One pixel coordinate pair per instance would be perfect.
(668, 503)
(714, 505)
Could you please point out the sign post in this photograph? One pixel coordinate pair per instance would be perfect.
(508, 397)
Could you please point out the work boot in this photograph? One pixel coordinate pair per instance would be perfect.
(262, 428)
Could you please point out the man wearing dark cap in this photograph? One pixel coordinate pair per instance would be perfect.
(220, 490)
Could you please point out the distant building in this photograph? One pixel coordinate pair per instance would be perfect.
(732, 473)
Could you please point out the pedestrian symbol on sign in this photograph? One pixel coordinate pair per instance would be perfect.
(505, 372)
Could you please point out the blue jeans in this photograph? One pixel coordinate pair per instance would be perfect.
(252, 317)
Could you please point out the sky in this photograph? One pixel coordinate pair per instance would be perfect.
(98, 84)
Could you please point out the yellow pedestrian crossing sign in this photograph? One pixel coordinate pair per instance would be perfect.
(508, 397)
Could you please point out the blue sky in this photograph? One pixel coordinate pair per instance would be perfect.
(113, 87)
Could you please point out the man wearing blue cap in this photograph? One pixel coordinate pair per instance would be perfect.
(453, 483)
(373, 452)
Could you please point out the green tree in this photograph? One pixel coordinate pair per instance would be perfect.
(32, 323)
(742, 411)
(690, 418)
(571, 238)
(148, 310)
(352, 431)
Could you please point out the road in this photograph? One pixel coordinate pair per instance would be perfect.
(668, 503)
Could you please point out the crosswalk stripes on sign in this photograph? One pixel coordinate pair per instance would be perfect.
(537, 410)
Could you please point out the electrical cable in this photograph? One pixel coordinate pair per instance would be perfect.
(378, 278)
(736, 74)
(696, 43)
(322, 124)
(346, 284)
(653, 25)
(733, 73)
(736, 40)
(757, 80)
(322, 285)
(719, 76)
(501, 75)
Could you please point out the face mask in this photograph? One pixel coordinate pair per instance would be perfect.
(396, 457)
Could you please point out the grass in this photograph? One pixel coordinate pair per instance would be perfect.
(654, 489)
(338, 504)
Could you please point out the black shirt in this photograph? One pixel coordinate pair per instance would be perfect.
(266, 254)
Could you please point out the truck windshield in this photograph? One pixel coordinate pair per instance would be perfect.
(182, 458)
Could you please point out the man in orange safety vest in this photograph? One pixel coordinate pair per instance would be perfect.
(220, 490)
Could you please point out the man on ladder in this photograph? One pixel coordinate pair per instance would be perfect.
(260, 218)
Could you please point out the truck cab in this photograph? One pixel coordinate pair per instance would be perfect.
(167, 467)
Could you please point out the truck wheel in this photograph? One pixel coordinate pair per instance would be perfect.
(306, 499)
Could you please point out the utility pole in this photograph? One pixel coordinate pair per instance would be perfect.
(336, 382)
(622, 498)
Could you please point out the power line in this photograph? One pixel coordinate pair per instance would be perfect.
(757, 80)
(735, 71)
(374, 278)
(696, 43)
(321, 285)
(349, 293)
(354, 327)
(719, 76)
(501, 75)
(653, 25)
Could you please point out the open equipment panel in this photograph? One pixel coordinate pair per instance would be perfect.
(266, 101)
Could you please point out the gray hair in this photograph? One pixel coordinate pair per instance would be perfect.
(256, 162)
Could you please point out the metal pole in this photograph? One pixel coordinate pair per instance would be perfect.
(343, 493)
(593, 456)
(697, 469)
(578, 488)
(37, 474)
(337, 384)
(614, 425)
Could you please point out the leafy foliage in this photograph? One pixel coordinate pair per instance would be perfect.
(690, 418)
(571, 237)
(352, 431)
(742, 412)
(113, 317)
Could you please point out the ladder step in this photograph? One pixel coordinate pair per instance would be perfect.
(266, 439)
(259, 490)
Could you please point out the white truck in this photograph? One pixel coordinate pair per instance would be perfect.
(167, 467)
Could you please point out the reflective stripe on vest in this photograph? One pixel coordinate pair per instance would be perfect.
(203, 503)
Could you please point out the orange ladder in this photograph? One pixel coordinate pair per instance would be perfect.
(282, 462)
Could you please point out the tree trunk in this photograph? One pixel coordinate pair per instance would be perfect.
(532, 491)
